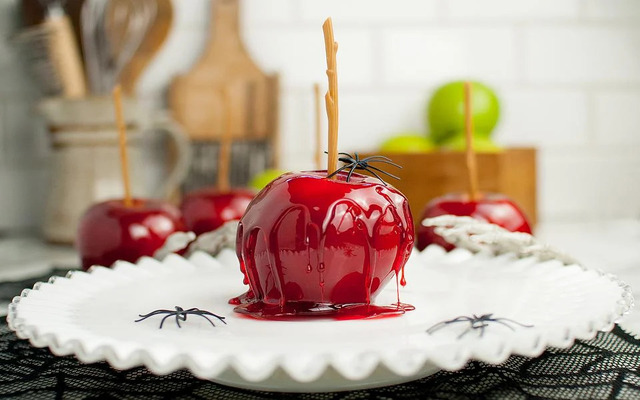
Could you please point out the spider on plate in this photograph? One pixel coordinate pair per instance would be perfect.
(181, 315)
(477, 323)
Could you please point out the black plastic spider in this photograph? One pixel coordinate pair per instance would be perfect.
(181, 315)
(355, 163)
(477, 323)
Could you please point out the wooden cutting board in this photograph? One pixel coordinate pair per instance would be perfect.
(196, 98)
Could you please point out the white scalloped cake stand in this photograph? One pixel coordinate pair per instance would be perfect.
(91, 315)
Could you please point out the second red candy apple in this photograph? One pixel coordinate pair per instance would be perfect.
(494, 208)
(208, 209)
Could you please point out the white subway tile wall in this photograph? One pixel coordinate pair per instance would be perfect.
(543, 118)
(423, 55)
(498, 10)
(567, 72)
(583, 55)
(24, 149)
(366, 11)
(617, 118)
(298, 54)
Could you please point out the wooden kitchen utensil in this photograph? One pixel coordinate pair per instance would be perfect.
(53, 43)
(150, 46)
(113, 30)
(196, 99)
(127, 24)
(197, 103)
(33, 14)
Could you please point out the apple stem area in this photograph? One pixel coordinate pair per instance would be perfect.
(122, 134)
(331, 98)
(472, 167)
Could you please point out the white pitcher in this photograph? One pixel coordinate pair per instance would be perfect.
(86, 161)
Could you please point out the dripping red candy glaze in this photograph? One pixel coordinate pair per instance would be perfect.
(312, 246)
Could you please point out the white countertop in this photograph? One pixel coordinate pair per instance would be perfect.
(612, 246)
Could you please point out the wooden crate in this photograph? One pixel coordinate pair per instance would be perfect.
(428, 175)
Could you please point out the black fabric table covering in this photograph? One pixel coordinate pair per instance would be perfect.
(606, 367)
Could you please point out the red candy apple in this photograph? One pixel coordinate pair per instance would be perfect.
(494, 208)
(110, 231)
(208, 209)
(310, 245)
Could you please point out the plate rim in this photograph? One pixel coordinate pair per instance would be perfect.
(420, 359)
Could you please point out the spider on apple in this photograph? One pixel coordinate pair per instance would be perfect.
(354, 163)
(181, 315)
(476, 322)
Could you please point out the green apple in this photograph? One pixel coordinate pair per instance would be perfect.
(262, 179)
(409, 142)
(482, 143)
(445, 113)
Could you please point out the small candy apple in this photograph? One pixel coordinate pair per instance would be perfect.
(310, 245)
(494, 208)
(110, 231)
(407, 143)
(208, 209)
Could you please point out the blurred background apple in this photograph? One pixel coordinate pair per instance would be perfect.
(481, 144)
(207, 209)
(111, 231)
(408, 142)
(445, 112)
(259, 181)
(490, 207)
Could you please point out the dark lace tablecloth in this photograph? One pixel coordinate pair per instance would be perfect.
(605, 367)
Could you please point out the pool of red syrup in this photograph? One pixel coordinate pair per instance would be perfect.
(313, 247)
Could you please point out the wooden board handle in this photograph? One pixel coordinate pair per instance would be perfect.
(225, 26)
(66, 56)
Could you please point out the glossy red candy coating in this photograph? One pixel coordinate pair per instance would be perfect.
(208, 209)
(494, 208)
(109, 231)
(310, 246)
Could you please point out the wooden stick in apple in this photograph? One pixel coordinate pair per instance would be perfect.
(472, 167)
(122, 133)
(331, 98)
(207, 209)
(224, 155)
(318, 124)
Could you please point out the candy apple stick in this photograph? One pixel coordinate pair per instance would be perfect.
(224, 155)
(122, 134)
(331, 98)
(472, 168)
